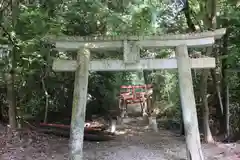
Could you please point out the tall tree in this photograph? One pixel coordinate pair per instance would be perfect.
(208, 8)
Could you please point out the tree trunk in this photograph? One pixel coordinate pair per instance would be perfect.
(145, 111)
(227, 113)
(216, 77)
(11, 101)
(45, 74)
(1, 114)
(149, 114)
(209, 9)
(79, 105)
(187, 13)
(225, 117)
(203, 87)
(46, 101)
(11, 76)
(194, 151)
(1, 108)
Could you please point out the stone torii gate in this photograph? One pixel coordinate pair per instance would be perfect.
(131, 46)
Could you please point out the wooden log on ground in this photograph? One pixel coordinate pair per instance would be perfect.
(90, 135)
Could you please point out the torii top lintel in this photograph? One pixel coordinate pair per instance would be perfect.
(201, 39)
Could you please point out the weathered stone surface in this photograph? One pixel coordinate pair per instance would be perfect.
(217, 34)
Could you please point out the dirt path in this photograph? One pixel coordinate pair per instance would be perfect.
(137, 143)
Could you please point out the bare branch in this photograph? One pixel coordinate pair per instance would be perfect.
(8, 35)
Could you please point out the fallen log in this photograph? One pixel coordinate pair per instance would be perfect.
(88, 126)
(89, 134)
